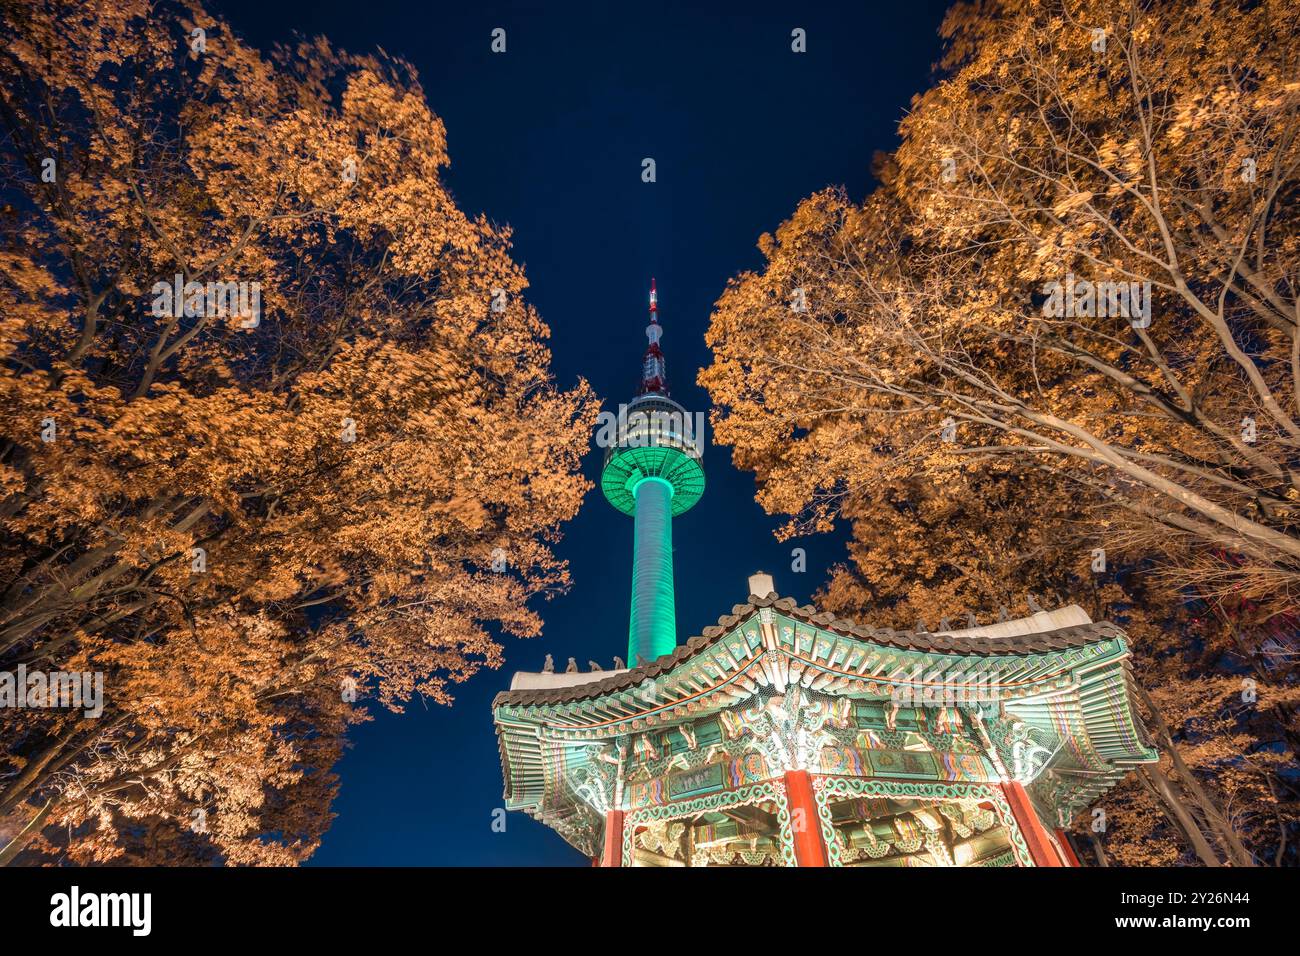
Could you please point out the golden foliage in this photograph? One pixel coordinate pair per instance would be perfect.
(328, 560)
(899, 362)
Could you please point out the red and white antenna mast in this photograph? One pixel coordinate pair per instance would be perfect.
(654, 373)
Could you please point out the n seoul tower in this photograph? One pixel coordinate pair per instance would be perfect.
(653, 472)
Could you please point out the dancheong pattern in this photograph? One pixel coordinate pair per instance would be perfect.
(772, 791)
(826, 788)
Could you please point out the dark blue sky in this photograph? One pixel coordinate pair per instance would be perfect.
(549, 137)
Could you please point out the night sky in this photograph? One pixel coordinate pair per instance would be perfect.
(549, 138)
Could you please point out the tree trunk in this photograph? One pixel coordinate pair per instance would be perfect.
(1098, 849)
(26, 834)
(32, 772)
(1184, 819)
(1219, 824)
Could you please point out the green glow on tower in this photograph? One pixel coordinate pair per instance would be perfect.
(653, 628)
(653, 473)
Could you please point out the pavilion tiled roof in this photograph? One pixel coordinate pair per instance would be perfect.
(1057, 675)
(979, 645)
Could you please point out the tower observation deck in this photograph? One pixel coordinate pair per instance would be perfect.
(653, 472)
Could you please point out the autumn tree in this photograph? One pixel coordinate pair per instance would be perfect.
(248, 510)
(1067, 319)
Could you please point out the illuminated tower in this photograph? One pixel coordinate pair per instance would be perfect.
(653, 472)
(785, 735)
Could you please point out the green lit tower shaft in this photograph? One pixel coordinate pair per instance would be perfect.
(653, 473)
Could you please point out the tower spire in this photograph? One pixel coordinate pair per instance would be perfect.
(654, 372)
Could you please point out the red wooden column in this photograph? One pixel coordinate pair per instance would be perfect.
(809, 850)
(1066, 848)
(1040, 846)
(611, 854)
